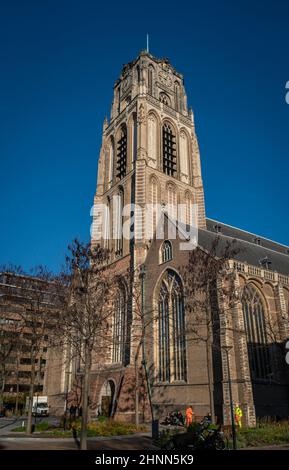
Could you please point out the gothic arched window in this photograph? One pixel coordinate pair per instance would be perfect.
(152, 140)
(138, 73)
(150, 79)
(154, 201)
(133, 140)
(119, 328)
(172, 197)
(166, 251)
(107, 231)
(165, 99)
(177, 96)
(188, 204)
(118, 222)
(184, 157)
(255, 327)
(171, 330)
(169, 150)
(121, 153)
(110, 162)
(164, 335)
(118, 99)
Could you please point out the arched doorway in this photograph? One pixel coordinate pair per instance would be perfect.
(106, 398)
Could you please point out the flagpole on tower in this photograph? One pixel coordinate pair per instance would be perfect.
(148, 48)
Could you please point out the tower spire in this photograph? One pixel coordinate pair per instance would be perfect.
(148, 48)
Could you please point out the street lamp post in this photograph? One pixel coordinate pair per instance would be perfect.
(36, 407)
(154, 423)
(227, 349)
(37, 392)
(65, 417)
(65, 404)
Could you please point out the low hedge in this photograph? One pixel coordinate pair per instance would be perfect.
(105, 428)
(110, 428)
(263, 435)
(43, 426)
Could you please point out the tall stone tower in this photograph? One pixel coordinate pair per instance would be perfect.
(149, 155)
(149, 151)
(149, 359)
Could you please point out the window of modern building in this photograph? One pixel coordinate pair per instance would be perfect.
(7, 321)
(26, 360)
(24, 374)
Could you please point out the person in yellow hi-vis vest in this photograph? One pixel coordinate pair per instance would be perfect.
(238, 416)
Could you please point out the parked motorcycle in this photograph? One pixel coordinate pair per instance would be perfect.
(210, 439)
(200, 438)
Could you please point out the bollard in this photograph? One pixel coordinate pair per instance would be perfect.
(155, 429)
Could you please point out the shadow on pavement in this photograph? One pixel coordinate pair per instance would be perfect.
(121, 443)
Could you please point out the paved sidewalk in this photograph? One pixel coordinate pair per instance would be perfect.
(9, 423)
(272, 447)
(132, 442)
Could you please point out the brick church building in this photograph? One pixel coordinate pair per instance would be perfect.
(150, 155)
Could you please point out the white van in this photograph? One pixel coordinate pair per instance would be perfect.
(39, 406)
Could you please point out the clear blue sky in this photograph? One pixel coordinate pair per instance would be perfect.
(58, 63)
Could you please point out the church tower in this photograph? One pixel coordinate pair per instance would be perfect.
(149, 152)
(156, 356)
(149, 156)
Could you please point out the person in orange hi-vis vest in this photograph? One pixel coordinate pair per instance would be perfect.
(189, 416)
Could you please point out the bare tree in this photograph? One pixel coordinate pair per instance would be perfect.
(38, 319)
(35, 314)
(202, 292)
(143, 318)
(90, 285)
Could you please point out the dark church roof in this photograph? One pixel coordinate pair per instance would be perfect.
(228, 230)
(251, 248)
